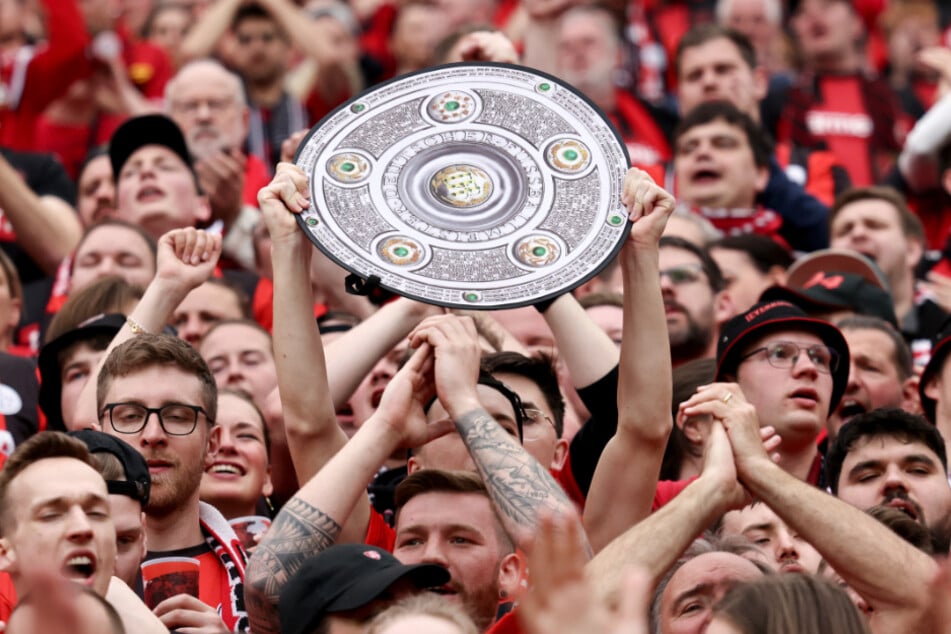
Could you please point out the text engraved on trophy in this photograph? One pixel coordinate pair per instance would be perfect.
(576, 202)
(521, 115)
(376, 134)
(471, 266)
(353, 212)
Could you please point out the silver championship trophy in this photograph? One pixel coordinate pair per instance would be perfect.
(467, 186)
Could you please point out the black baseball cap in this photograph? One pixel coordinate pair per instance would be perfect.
(837, 291)
(766, 317)
(51, 384)
(138, 482)
(346, 577)
(150, 129)
(940, 347)
(836, 279)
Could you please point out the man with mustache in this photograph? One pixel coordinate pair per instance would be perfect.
(893, 458)
(156, 393)
(207, 102)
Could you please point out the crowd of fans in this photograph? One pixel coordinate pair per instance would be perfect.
(740, 425)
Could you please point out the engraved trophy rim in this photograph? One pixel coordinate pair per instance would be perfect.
(416, 249)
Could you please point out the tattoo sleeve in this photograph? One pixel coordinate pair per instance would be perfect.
(299, 532)
(518, 484)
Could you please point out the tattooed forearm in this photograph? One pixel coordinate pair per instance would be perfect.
(299, 532)
(519, 485)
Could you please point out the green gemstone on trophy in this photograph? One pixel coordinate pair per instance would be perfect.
(347, 167)
(544, 87)
(539, 251)
(570, 155)
(471, 297)
(312, 222)
(616, 220)
(401, 251)
(452, 106)
(358, 107)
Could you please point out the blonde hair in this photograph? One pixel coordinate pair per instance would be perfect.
(423, 605)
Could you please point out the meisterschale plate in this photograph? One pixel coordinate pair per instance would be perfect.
(469, 185)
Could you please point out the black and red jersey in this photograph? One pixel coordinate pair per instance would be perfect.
(854, 116)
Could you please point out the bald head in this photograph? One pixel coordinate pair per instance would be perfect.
(206, 100)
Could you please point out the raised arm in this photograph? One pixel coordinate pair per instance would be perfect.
(310, 420)
(658, 541)
(318, 39)
(918, 161)
(888, 572)
(47, 228)
(203, 37)
(315, 517)
(518, 484)
(352, 356)
(626, 476)
(186, 259)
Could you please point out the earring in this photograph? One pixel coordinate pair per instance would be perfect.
(270, 507)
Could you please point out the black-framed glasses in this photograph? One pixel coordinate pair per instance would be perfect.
(785, 354)
(683, 274)
(176, 419)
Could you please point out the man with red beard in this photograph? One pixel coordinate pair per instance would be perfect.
(156, 393)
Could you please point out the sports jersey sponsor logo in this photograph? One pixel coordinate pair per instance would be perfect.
(642, 154)
(839, 124)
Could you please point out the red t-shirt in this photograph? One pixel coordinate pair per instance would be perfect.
(31, 77)
(255, 178)
(8, 597)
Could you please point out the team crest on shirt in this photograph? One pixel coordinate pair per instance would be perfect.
(371, 554)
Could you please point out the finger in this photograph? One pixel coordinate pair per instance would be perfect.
(418, 358)
(212, 247)
(439, 429)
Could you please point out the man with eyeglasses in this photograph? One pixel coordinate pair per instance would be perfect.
(694, 301)
(792, 368)
(535, 380)
(207, 102)
(156, 393)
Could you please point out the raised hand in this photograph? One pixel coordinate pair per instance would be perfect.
(562, 600)
(287, 194)
(727, 405)
(187, 257)
(484, 46)
(402, 406)
(649, 206)
(221, 175)
(290, 145)
(455, 344)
